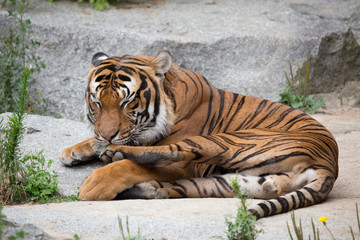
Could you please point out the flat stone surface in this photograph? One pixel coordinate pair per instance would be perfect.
(179, 218)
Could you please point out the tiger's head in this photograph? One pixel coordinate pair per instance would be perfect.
(126, 99)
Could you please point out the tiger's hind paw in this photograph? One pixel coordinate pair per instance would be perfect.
(277, 184)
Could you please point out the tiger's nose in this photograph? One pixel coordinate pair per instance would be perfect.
(110, 135)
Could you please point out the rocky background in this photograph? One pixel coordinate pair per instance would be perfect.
(241, 46)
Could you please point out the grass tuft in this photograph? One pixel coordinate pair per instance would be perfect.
(300, 97)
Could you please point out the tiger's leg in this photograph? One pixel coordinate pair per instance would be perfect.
(81, 152)
(212, 186)
(106, 182)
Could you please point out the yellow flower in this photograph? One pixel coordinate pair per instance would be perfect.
(323, 219)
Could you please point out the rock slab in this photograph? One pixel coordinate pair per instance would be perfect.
(176, 218)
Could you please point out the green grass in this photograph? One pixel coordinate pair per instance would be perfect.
(299, 97)
(11, 167)
(98, 4)
(128, 235)
(296, 232)
(15, 56)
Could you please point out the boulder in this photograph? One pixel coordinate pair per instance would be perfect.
(239, 46)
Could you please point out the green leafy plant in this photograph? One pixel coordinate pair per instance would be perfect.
(300, 97)
(76, 237)
(10, 165)
(15, 56)
(98, 4)
(128, 237)
(243, 226)
(40, 185)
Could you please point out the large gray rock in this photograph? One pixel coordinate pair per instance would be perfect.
(337, 64)
(175, 218)
(239, 46)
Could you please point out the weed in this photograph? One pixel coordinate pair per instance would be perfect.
(300, 98)
(243, 226)
(10, 164)
(15, 57)
(40, 185)
(297, 228)
(76, 237)
(128, 237)
(98, 4)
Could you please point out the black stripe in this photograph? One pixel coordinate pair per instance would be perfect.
(327, 185)
(302, 199)
(223, 183)
(221, 106)
(126, 69)
(192, 144)
(110, 67)
(293, 200)
(183, 195)
(281, 117)
(273, 207)
(276, 159)
(238, 107)
(265, 208)
(259, 110)
(261, 180)
(157, 101)
(284, 204)
(315, 195)
(209, 107)
(196, 186)
(219, 190)
(194, 98)
(124, 78)
(134, 63)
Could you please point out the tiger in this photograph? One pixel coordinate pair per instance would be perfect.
(166, 132)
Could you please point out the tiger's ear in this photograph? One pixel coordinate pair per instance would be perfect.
(98, 58)
(162, 63)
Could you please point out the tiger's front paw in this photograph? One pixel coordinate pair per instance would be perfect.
(112, 154)
(69, 157)
(81, 152)
(103, 184)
